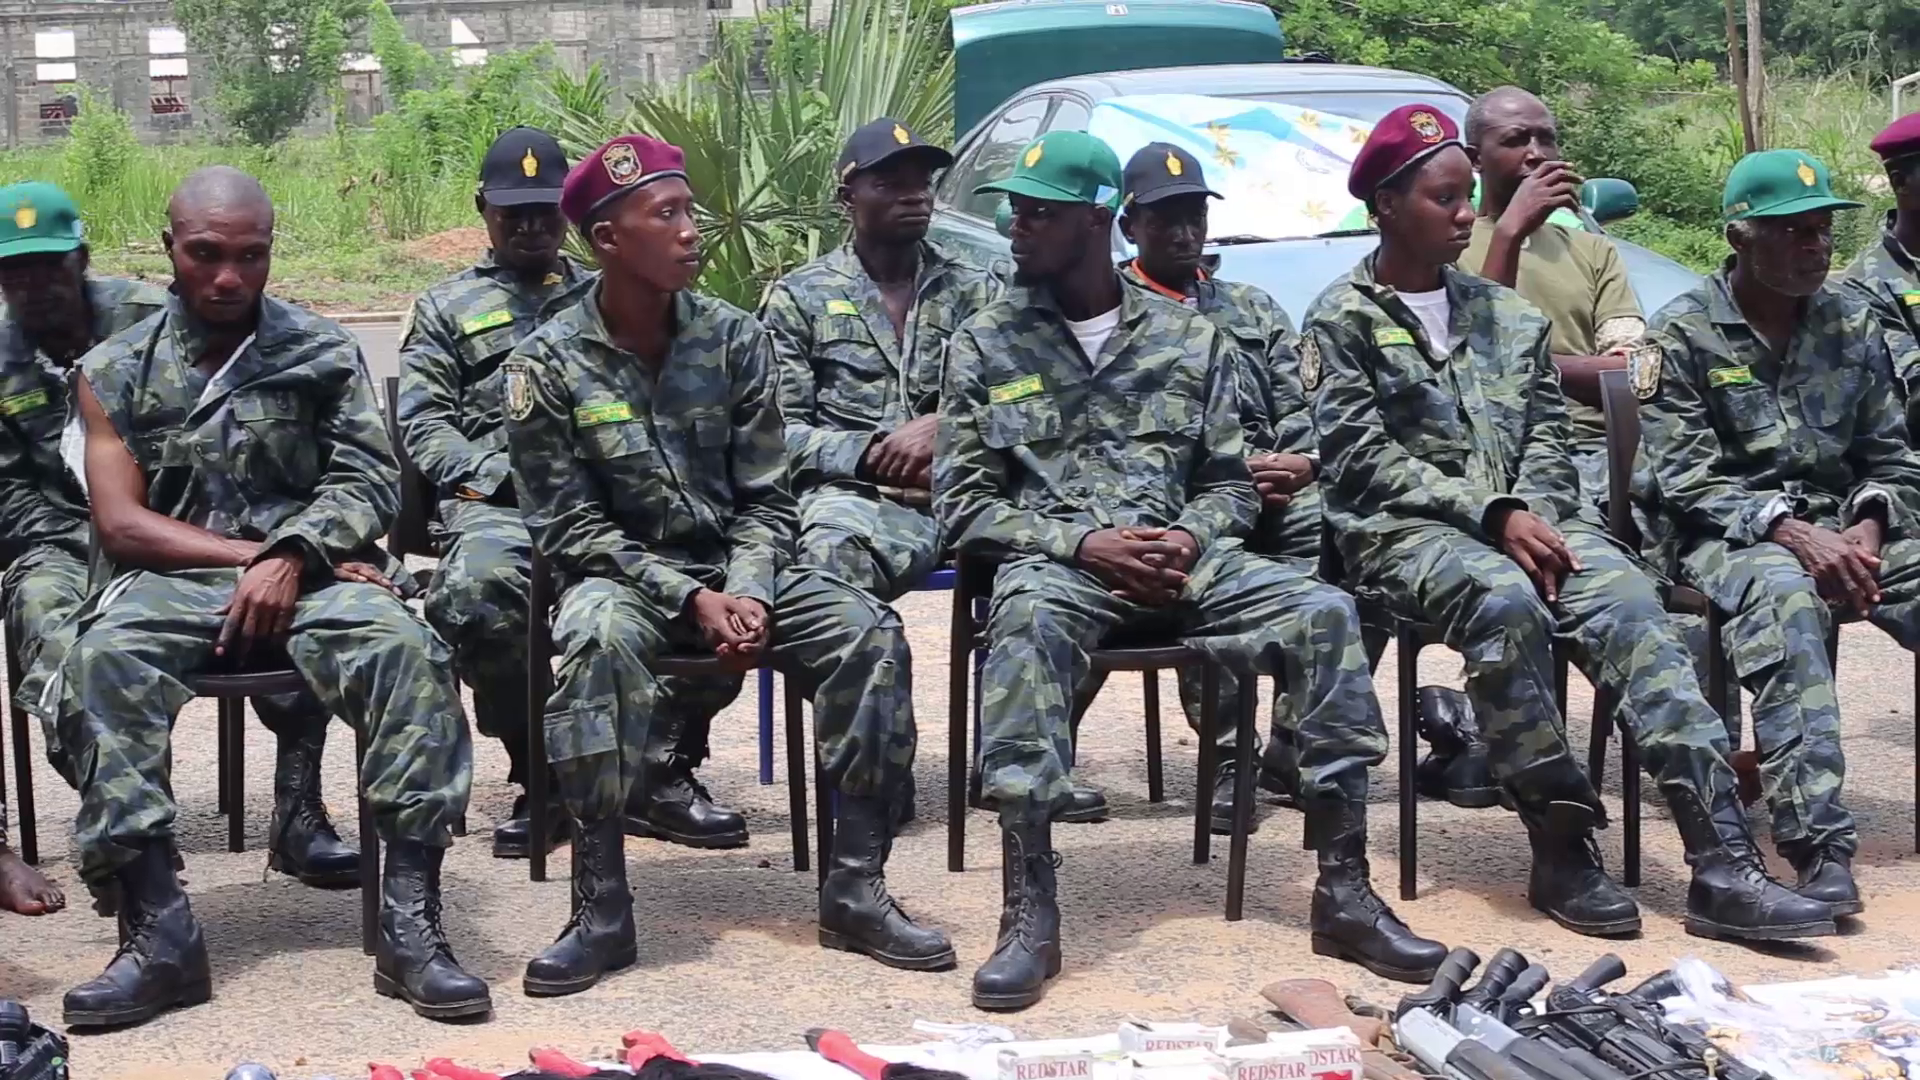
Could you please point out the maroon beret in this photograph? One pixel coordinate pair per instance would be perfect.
(1408, 134)
(619, 166)
(1902, 137)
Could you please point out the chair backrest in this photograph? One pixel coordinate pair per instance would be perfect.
(410, 535)
(1622, 411)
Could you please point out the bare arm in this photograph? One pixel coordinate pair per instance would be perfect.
(131, 534)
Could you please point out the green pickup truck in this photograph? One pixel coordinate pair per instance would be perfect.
(1274, 134)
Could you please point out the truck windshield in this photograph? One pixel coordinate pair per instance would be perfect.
(1278, 160)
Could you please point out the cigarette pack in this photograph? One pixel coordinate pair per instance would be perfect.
(1321, 1054)
(1192, 1063)
(1038, 1061)
(1139, 1036)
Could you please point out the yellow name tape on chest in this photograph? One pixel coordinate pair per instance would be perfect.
(486, 322)
(613, 412)
(1729, 376)
(1393, 335)
(21, 403)
(1911, 299)
(1016, 390)
(842, 307)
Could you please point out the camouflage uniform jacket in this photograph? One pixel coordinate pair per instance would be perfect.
(1884, 275)
(1407, 433)
(1041, 445)
(1274, 413)
(1739, 433)
(456, 337)
(40, 500)
(843, 377)
(671, 484)
(283, 444)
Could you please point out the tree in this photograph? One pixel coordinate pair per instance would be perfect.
(271, 59)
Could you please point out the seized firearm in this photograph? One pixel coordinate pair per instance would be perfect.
(1316, 1003)
(1628, 1033)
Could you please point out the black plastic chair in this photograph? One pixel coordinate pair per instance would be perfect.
(541, 599)
(973, 584)
(22, 752)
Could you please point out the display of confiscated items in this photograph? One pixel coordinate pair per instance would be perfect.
(1852, 1028)
(1581, 1031)
(27, 1050)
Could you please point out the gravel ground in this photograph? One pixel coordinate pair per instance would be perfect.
(728, 959)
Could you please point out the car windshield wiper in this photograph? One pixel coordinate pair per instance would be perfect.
(1337, 233)
(1239, 238)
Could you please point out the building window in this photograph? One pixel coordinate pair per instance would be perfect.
(53, 44)
(167, 95)
(56, 73)
(466, 46)
(166, 41)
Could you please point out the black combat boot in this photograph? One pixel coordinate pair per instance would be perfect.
(903, 808)
(512, 837)
(1826, 875)
(599, 937)
(1568, 881)
(670, 804)
(1027, 953)
(1349, 920)
(162, 962)
(857, 914)
(1455, 768)
(414, 962)
(1731, 896)
(1280, 768)
(1222, 810)
(305, 845)
(1086, 806)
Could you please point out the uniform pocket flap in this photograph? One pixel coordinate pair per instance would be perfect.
(1170, 414)
(1015, 423)
(1759, 641)
(1750, 409)
(491, 343)
(603, 442)
(582, 731)
(265, 405)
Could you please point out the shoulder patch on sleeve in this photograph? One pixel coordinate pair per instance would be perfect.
(1643, 371)
(519, 392)
(1310, 362)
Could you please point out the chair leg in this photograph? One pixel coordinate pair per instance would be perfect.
(538, 827)
(1916, 754)
(1717, 675)
(235, 727)
(797, 756)
(369, 854)
(958, 758)
(220, 758)
(823, 801)
(1409, 694)
(1630, 808)
(1600, 730)
(1203, 785)
(1242, 797)
(1156, 780)
(23, 785)
(766, 726)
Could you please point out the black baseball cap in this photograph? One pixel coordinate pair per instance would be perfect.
(1160, 171)
(523, 166)
(883, 140)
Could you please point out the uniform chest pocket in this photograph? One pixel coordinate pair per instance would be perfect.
(277, 444)
(1829, 404)
(1417, 406)
(1020, 423)
(484, 350)
(1752, 415)
(614, 442)
(850, 370)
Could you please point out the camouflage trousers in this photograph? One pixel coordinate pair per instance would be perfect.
(847, 650)
(364, 655)
(45, 589)
(1775, 638)
(477, 601)
(1242, 611)
(884, 547)
(1609, 615)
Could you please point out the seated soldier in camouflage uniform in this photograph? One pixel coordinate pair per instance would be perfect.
(59, 312)
(459, 332)
(649, 456)
(239, 469)
(1164, 215)
(1090, 431)
(1777, 445)
(1453, 499)
(1886, 275)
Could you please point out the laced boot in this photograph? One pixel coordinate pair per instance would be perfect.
(599, 937)
(306, 846)
(413, 961)
(857, 914)
(162, 962)
(1027, 953)
(1455, 768)
(513, 838)
(1349, 921)
(670, 804)
(1085, 806)
(1568, 882)
(1731, 897)
(1221, 812)
(1280, 768)
(1825, 874)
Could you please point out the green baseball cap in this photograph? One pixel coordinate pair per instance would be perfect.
(1064, 166)
(1776, 183)
(37, 218)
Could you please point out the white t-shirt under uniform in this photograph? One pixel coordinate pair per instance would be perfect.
(1436, 317)
(1092, 334)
